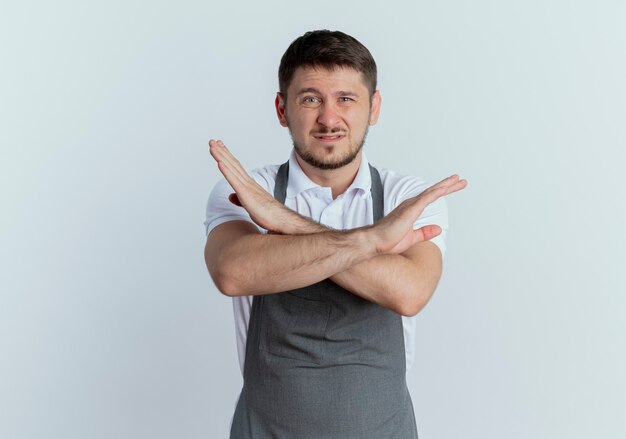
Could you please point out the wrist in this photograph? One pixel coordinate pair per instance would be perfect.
(365, 240)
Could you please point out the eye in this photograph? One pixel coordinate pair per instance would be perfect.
(310, 100)
(345, 99)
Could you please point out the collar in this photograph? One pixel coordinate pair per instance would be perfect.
(299, 182)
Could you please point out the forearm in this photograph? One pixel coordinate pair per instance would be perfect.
(303, 252)
(388, 280)
(391, 281)
(267, 263)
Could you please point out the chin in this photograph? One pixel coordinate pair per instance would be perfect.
(329, 163)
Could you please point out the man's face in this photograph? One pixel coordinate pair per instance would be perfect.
(328, 113)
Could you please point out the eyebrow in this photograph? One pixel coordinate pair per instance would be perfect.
(316, 91)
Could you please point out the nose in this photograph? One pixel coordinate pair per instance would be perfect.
(328, 115)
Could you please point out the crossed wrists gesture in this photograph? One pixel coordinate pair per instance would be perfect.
(393, 234)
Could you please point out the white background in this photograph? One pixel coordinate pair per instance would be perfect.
(110, 326)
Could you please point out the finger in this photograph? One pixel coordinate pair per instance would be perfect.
(233, 198)
(451, 184)
(232, 178)
(430, 231)
(246, 188)
(412, 208)
(230, 167)
(430, 195)
(217, 151)
(234, 165)
(214, 150)
(426, 233)
(459, 185)
(446, 182)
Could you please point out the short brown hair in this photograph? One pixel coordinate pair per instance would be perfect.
(328, 49)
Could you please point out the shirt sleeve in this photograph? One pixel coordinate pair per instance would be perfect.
(435, 213)
(219, 209)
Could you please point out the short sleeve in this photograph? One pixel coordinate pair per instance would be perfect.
(399, 188)
(435, 213)
(219, 209)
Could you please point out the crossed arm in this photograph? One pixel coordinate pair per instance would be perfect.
(388, 263)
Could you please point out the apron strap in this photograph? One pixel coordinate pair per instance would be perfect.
(377, 194)
(282, 177)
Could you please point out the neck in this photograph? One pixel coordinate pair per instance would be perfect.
(338, 179)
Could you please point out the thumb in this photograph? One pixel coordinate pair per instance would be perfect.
(427, 232)
(233, 198)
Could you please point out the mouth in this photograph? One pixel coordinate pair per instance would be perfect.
(328, 138)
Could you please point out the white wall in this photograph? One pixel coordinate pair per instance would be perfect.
(110, 326)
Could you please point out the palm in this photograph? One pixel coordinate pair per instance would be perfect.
(395, 231)
(394, 234)
(261, 206)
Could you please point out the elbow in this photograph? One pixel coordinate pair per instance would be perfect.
(412, 304)
(224, 263)
(226, 287)
(225, 282)
(409, 309)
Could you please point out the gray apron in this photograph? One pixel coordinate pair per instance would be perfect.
(323, 363)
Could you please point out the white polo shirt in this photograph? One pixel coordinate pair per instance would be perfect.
(349, 210)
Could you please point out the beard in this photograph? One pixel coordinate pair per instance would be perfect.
(347, 158)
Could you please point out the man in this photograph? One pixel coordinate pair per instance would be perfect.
(327, 258)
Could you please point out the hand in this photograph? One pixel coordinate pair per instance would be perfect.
(262, 206)
(394, 233)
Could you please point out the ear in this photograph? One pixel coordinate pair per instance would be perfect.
(280, 108)
(375, 107)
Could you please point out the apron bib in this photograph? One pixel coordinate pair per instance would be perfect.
(323, 363)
